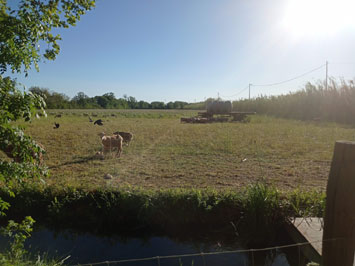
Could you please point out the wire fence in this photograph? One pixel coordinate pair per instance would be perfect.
(251, 255)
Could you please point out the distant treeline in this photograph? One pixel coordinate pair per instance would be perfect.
(314, 102)
(57, 100)
(336, 103)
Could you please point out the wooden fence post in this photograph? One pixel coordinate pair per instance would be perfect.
(339, 220)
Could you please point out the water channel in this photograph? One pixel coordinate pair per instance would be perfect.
(86, 248)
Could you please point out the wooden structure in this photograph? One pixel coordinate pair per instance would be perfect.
(339, 220)
(205, 117)
(218, 111)
(309, 229)
(336, 242)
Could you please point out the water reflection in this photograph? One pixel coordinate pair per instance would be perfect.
(87, 248)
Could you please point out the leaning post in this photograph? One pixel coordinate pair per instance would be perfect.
(339, 220)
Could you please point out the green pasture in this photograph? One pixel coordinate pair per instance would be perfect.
(165, 153)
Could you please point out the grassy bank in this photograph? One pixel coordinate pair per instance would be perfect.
(256, 211)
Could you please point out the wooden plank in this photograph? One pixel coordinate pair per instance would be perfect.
(308, 230)
(339, 220)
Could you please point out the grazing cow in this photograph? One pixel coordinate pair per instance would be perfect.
(56, 125)
(111, 142)
(127, 137)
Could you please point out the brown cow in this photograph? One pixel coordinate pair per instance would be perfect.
(110, 142)
(127, 137)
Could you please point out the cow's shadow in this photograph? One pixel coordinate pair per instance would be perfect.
(77, 160)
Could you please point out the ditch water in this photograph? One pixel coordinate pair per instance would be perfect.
(86, 248)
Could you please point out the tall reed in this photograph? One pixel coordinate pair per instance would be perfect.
(336, 103)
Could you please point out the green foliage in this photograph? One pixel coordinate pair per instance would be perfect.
(56, 100)
(53, 100)
(258, 210)
(23, 29)
(25, 152)
(18, 233)
(17, 255)
(196, 106)
(306, 204)
(262, 211)
(314, 102)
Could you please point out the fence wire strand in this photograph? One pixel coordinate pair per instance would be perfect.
(202, 254)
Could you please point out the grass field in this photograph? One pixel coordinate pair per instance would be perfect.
(168, 154)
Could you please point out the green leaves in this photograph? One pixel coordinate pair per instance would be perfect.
(21, 32)
(18, 232)
(15, 105)
(23, 29)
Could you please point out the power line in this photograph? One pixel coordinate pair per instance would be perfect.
(236, 94)
(297, 77)
(342, 63)
(285, 81)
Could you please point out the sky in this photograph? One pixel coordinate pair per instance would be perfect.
(190, 50)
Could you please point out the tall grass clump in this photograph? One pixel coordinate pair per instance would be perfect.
(306, 203)
(315, 102)
(262, 212)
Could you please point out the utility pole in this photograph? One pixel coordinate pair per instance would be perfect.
(326, 75)
(249, 89)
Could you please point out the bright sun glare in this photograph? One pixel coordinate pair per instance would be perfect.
(319, 17)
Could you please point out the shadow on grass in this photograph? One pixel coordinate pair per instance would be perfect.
(78, 160)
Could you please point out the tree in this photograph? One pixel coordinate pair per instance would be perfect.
(157, 105)
(132, 102)
(143, 105)
(179, 104)
(54, 100)
(111, 99)
(22, 30)
(102, 101)
(81, 99)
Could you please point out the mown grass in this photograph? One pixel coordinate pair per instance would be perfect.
(167, 154)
